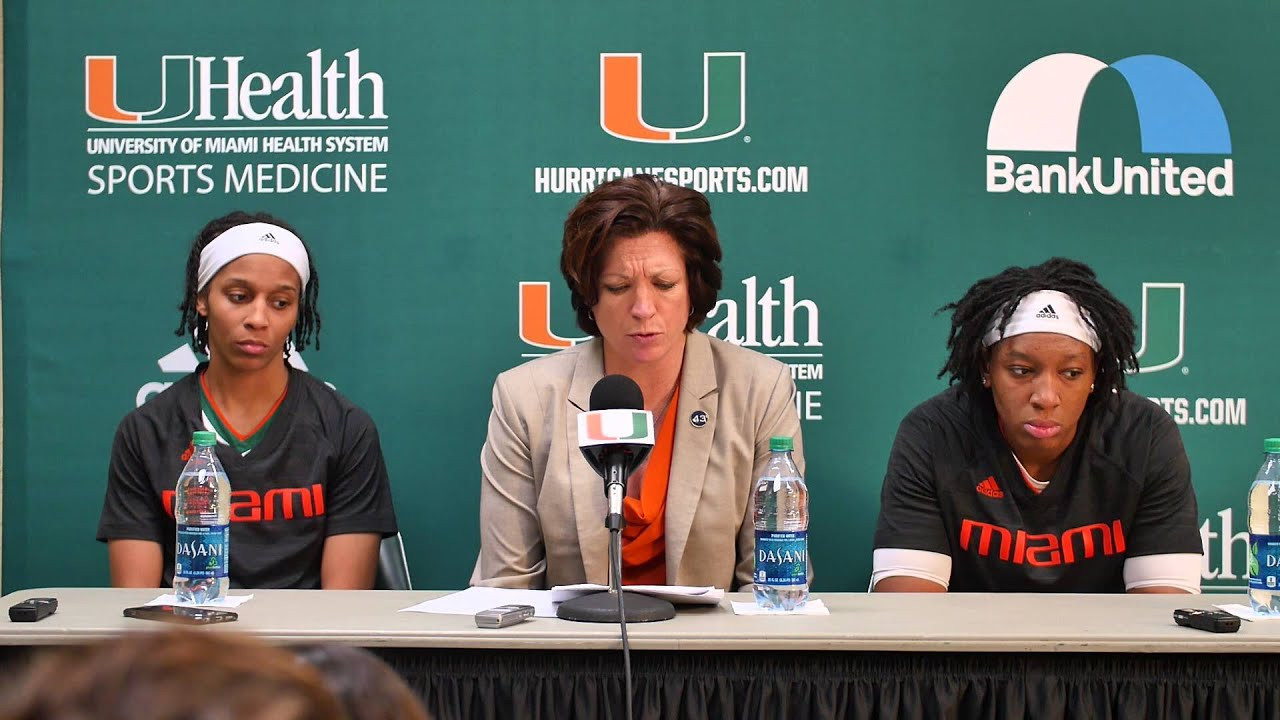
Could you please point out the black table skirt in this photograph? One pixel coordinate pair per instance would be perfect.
(561, 685)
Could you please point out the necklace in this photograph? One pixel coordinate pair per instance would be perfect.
(661, 411)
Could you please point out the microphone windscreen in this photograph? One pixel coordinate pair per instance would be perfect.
(616, 392)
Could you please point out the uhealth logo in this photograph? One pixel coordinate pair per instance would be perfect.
(724, 99)
(219, 89)
(1178, 114)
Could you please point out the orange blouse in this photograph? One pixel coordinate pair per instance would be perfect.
(644, 542)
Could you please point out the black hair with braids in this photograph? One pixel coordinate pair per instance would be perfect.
(196, 326)
(974, 314)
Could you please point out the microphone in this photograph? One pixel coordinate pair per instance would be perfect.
(615, 437)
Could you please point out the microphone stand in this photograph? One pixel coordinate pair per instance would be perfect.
(608, 606)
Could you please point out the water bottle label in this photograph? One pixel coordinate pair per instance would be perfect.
(202, 551)
(782, 558)
(1264, 562)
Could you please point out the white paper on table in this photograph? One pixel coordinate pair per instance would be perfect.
(675, 594)
(811, 607)
(474, 599)
(1244, 612)
(227, 601)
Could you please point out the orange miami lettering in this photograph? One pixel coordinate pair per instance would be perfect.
(283, 503)
(1043, 550)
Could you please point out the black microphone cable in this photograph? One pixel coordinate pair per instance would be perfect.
(615, 553)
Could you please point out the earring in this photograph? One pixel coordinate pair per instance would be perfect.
(591, 314)
(1090, 387)
(986, 381)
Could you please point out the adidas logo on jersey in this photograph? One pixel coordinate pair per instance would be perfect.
(989, 488)
(1047, 312)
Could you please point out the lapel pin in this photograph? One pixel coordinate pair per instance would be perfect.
(698, 419)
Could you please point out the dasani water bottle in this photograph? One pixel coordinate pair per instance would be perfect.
(1264, 532)
(782, 531)
(202, 508)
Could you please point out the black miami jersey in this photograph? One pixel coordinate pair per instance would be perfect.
(1122, 489)
(316, 471)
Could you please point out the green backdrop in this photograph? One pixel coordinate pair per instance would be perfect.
(852, 202)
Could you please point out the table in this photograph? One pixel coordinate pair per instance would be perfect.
(876, 655)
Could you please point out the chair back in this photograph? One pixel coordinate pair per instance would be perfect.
(393, 569)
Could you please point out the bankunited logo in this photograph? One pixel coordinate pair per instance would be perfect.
(1178, 114)
(724, 99)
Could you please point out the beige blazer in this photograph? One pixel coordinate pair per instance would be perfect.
(542, 508)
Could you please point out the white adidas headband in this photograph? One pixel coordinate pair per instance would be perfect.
(252, 239)
(1047, 311)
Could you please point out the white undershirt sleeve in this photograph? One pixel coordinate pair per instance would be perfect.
(923, 564)
(1177, 570)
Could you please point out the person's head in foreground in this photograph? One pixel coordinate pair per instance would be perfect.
(1037, 471)
(367, 688)
(171, 675)
(641, 258)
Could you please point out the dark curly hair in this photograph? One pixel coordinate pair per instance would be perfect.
(630, 207)
(975, 313)
(196, 326)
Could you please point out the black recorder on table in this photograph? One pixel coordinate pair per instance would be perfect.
(33, 609)
(1217, 621)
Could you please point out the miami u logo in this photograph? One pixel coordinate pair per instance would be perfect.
(1163, 326)
(724, 99)
(101, 91)
(621, 425)
(535, 318)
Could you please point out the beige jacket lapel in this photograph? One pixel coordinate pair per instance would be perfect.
(692, 451)
(587, 489)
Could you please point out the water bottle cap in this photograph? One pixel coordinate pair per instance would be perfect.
(205, 438)
(781, 443)
(1271, 445)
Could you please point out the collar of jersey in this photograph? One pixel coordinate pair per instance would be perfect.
(227, 434)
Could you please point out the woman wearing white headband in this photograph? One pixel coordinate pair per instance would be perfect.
(310, 498)
(1037, 471)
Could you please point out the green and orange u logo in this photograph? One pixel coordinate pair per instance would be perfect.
(639, 428)
(101, 91)
(535, 318)
(724, 99)
(1163, 326)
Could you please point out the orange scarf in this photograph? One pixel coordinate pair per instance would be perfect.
(644, 542)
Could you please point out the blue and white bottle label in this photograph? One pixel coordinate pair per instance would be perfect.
(1264, 562)
(782, 558)
(202, 551)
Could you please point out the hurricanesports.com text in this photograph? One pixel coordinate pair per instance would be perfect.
(718, 179)
(1204, 411)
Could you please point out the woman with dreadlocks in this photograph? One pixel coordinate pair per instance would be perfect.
(310, 500)
(1037, 471)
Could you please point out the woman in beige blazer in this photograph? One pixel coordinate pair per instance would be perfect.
(641, 258)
